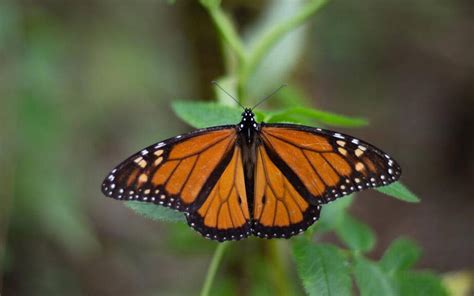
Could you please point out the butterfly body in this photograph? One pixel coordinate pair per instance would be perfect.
(267, 180)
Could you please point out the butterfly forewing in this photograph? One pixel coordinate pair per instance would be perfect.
(325, 165)
(175, 172)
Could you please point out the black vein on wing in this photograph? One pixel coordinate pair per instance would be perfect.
(292, 144)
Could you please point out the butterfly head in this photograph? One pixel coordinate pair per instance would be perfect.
(248, 113)
(248, 123)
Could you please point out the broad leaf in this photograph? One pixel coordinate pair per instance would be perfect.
(398, 190)
(203, 114)
(322, 269)
(333, 213)
(400, 255)
(355, 234)
(371, 279)
(155, 212)
(420, 284)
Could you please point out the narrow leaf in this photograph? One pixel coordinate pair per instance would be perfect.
(420, 284)
(155, 212)
(400, 255)
(355, 234)
(398, 190)
(319, 116)
(371, 280)
(322, 269)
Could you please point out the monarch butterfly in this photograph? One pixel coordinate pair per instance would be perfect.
(267, 180)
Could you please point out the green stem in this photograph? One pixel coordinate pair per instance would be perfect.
(278, 271)
(226, 28)
(211, 271)
(272, 37)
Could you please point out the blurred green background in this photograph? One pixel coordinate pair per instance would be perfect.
(83, 84)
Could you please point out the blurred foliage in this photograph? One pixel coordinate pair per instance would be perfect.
(323, 268)
(82, 85)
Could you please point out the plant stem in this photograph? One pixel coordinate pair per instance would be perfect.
(278, 271)
(272, 37)
(226, 28)
(211, 271)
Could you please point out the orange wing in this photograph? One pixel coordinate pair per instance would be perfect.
(175, 173)
(325, 165)
(224, 215)
(279, 210)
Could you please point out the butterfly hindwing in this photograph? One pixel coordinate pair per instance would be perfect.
(175, 173)
(279, 210)
(224, 214)
(325, 165)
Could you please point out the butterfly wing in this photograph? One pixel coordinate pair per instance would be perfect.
(224, 214)
(323, 165)
(177, 173)
(279, 209)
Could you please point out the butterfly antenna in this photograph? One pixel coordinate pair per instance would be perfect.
(270, 95)
(220, 87)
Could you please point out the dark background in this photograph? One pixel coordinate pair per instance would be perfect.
(84, 84)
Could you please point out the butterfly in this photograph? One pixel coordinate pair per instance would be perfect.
(261, 179)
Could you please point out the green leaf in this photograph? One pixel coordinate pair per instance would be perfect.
(326, 118)
(322, 269)
(202, 114)
(229, 84)
(420, 284)
(398, 190)
(155, 212)
(371, 280)
(355, 234)
(400, 255)
(291, 96)
(210, 3)
(333, 213)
